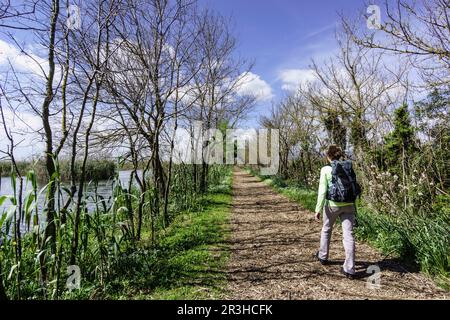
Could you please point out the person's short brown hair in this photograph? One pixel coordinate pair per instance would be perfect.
(334, 152)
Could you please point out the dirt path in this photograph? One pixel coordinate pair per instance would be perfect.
(272, 246)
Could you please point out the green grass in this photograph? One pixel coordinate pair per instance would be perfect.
(306, 197)
(188, 260)
(185, 262)
(196, 253)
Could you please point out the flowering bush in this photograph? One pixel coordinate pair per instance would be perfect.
(388, 193)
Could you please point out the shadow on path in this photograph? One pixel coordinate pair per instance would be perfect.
(273, 242)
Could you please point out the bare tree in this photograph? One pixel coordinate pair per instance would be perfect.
(278, 119)
(358, 86)
(149, 71)
(92, 65)
(307, 129)
(299, 129)
(217, 84)
(418, 29)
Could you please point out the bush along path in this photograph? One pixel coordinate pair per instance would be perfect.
(272, 245)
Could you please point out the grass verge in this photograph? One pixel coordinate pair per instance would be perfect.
(188, 260)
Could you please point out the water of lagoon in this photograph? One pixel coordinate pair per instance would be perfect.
(104, 189)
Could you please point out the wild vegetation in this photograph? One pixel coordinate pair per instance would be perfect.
(112, 262)
(121, 76)
(96, 170)
(396, 129)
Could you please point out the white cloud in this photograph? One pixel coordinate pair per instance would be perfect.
(31, 63)
(23, 126)
(324, 29)
(293, 78)
(252, 84)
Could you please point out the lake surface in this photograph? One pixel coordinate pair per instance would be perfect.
(104, 188)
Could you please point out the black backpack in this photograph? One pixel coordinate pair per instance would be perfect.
(344, 187)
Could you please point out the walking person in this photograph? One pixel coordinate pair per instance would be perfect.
(338, 190)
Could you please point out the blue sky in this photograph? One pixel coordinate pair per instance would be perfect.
(282, 37)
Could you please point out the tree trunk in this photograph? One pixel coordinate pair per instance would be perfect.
(194, 175)
(159, 181)
(74, 248)
(129, 203)
(140, 211)
(303, 168)
(50, 230)
(204, 178)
